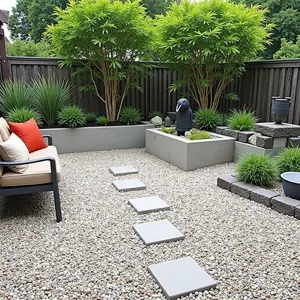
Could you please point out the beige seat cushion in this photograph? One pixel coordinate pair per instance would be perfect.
(12, 150)
(4, 130)
(37, 173)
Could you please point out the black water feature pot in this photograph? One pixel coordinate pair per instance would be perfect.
(280, 108)
(172, 115)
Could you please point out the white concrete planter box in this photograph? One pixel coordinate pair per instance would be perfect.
(241, 149)
(189, 155)
(83, 139)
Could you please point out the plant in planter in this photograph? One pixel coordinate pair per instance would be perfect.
(154, 113)
(91, 117)
(208, 42)
(207, 119)
(105, 38)
(49, 96)
(170, 130)
(102, 121)
(199, 135)
(21, 115)
(14, 95)
(130, 116)
(289, 160)
(71, 116)
(258, 169)
(242, 120)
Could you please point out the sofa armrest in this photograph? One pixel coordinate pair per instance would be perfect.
(33, 161)
(49, 139)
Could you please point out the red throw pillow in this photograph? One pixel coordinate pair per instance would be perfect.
(29, 133)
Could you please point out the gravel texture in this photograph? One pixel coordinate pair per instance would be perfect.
(252, 251)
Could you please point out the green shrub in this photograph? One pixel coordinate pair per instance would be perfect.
(289, 160)
(257, 169)
(154, 113)
(21, 115)
(224, 119)
(170, 130)
(130, 116)
(91, 117)
(102, 121)
(243, 120)
(207, 119)
(14, 95)
(49, 97)
(71, 116)
(199, 135)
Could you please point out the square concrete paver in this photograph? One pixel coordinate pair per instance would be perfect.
(129, 185)
(123, 170)
(181, 276)
(158, 232)
(148, 204)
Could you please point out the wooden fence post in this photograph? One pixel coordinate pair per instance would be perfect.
(4, 61)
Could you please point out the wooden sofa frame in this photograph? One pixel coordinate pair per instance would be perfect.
(53, 186)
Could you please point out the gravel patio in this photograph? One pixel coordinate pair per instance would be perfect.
(253, 252)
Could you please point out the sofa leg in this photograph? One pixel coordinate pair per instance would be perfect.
(57, 203)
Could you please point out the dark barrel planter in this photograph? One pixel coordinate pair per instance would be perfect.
(172, 115)
(291, 184)
(280, 109)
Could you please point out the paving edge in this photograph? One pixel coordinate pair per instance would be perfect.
(281, 204)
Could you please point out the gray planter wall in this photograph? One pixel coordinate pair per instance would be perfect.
(189, 155)
(68, 140)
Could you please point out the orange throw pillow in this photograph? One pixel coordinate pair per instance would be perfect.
(29, 133)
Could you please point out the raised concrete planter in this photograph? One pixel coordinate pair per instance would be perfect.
(189, 155)
(84, 139)
(241, 149)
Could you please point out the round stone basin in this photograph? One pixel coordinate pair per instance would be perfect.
(291, 184)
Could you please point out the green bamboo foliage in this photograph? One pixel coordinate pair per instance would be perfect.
(49, 97)
(14, 95)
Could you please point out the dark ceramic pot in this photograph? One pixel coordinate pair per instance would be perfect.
(280, 109)
(291, 184)
(172, 115)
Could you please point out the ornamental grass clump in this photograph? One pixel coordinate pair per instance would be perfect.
(242, 120)
(71, 116)
(154, 113)
(102, 121)
(14, 95)
(207, 119)
(21, 115)
(91, 117)
(130, 116)
(199, 135)
(258, 169)
(289, 160)
(49, 97)
(170, 130)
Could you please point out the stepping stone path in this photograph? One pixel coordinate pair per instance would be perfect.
(148, 204)
(123, 170)
(180, 277)
(176, 277)
(157, 232)
(129, 185)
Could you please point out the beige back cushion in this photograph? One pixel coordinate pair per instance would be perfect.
(14, 149)
(4, 130)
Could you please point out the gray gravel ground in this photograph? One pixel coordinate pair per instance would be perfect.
(253, 252)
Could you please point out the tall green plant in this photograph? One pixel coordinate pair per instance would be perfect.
(49, 97)
(110, 36)
(14, 95)
(208, 41)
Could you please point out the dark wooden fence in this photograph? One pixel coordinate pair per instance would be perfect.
(260, 81)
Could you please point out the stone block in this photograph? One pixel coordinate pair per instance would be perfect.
(277, 130)
(297, 212)
(285, 205)
(148, 204)
(181, 277)
(123, 170)
(219, 129)
(231, 133)
(279, 142)
(263, 196)
(226, 181)
(244, 136)
(243, 189)
(263, 141)
(293, 142)
(129, 185)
